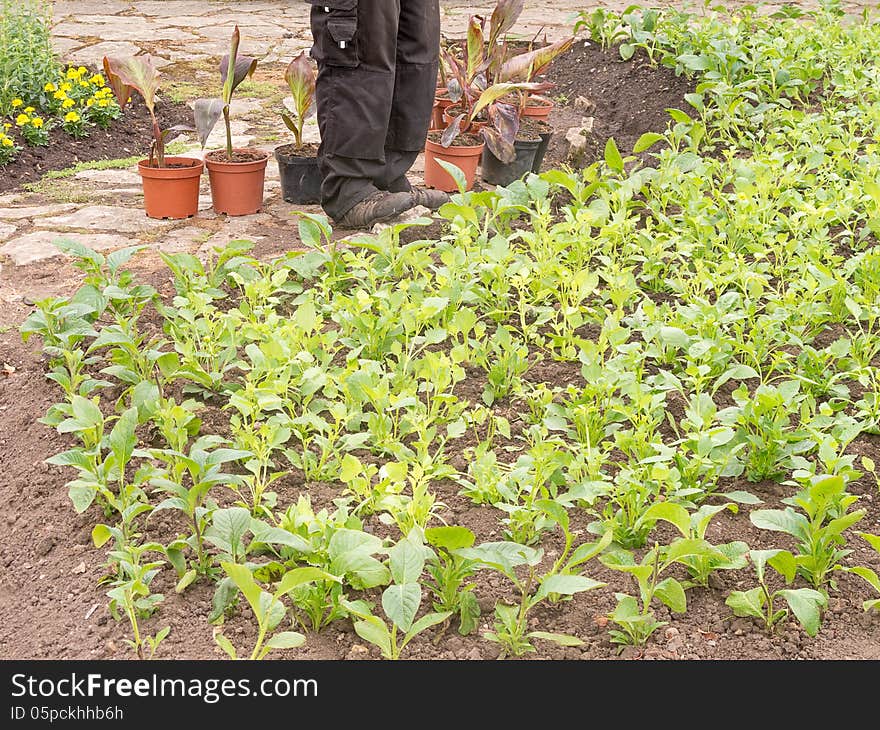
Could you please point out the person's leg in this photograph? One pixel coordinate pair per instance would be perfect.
(355, 45)
(417, 58)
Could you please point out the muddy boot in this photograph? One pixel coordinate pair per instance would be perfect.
(430, 198)
(378, 208)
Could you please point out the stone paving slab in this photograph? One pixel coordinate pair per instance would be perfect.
(37, 245)
(103, 218)
(6, 231)
(35, 211)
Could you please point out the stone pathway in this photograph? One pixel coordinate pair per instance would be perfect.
(186, 37)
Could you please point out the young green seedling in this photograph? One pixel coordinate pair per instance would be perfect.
(868, 575)
(400, 602)
(819, 530)
(269, 611)
(805, 603)
(449, 573)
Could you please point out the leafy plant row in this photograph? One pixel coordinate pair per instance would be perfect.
(718, 309)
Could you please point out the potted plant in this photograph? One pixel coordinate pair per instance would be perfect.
(298, 162)
(477, 118)
(237, 176)
(171, 184)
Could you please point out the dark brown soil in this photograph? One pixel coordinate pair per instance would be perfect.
(51, 605)
(305, 152)
(130, 135)
(624, 98)
(462, 140)
(238, 155)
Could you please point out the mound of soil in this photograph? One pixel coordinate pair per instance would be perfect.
(128, 136)
(624, 98)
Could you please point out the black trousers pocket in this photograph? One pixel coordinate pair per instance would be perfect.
(335, 32)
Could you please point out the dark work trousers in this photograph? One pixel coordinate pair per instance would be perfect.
(377, 73)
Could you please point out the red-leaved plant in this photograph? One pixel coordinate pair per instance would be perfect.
(137, 73)
(208, 111)
(300, 77)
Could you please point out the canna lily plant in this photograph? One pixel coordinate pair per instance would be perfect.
(208, 111)
(488, 79)
(300, 77)
(137, 73)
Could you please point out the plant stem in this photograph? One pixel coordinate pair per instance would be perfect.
(228, 133)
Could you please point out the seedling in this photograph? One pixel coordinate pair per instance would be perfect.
(805, 603)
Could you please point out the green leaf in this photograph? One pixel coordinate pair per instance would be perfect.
(456, 173)
(787, 521)
(566, 585)
(469, 613)
(450, 538)
(401, 603)
(407, 560)
(82, 495)
(561, 639)
(612, 156)
(226, 645)
(648, 139)
(785, 564)
(185, 581)
(670, 592)
(426, 622)
(747, 603)
(300, 576)
(669, 512)
(286, 640)
(742, 497)
(866, 574)
(504, 556)
(122, 438)
(100, 535)
(372, 629)
(872, 540)
(806, 605)
(230, 526)
(242, 578)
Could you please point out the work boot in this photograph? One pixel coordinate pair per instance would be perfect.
(377, 208)
(430, 198)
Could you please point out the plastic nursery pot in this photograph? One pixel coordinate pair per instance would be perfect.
(237, 187)
(541, 151)
(496, 172)
(300, 178)
(467, 158)
(171, 191)
(538, 109)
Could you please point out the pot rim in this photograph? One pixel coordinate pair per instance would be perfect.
(264, 158)
(454, 150)
(193, 170)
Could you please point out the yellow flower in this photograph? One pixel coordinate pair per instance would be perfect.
(89, 102)
(67, 103)
(59, 95)
(97, 80)
(6, 142)
(17, 103)
(71, 117)
(81, 70)
(65, 87)
(22, 119)
(7, 125)
(37, 122)
(103, 103)
(84, 84)
(49, 87)
(29, 109)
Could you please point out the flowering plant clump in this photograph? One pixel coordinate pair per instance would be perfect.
(8, 148)
(84, 93)
(33, 128)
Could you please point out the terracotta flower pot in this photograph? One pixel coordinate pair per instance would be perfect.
(466, 158)
(171, 191)
(476, 125)
(441, 103)
(538, 109)
(237, 187)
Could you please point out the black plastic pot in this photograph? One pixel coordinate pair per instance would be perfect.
(496, 172)
(300, 178)
(541, 151)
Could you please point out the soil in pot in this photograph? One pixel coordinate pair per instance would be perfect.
(300, 178)
(171, 191)
(538, 109)
(237, 185)
(464, 153)
(451, 112)
(528, 141)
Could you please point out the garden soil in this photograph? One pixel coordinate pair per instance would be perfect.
(51, 602)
